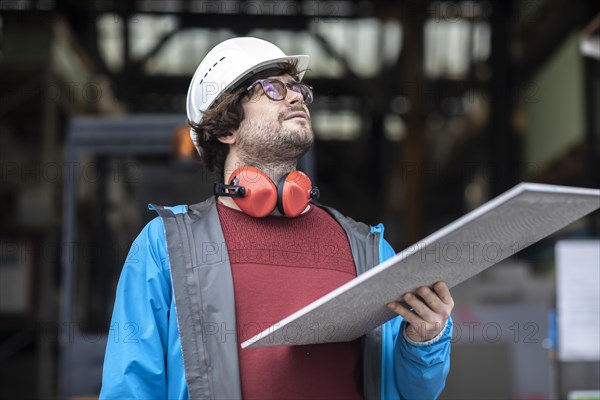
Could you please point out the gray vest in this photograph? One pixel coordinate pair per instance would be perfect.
(205, 304)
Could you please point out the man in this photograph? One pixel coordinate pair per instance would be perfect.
(201, 280)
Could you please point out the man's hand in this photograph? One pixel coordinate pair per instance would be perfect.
(429, 312)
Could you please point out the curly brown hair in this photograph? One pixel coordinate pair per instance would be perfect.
(225, 116)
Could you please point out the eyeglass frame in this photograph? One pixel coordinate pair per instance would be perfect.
(286, 85)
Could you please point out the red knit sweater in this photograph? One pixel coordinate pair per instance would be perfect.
(280, 265)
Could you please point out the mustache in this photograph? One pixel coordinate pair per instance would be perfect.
(293, 109)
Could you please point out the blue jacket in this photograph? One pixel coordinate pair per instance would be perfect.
(144, 355)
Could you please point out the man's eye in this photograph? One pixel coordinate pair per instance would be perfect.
(271, 91)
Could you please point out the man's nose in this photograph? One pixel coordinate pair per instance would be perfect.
(294, 97)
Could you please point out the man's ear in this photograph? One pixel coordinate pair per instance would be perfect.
(229, 139)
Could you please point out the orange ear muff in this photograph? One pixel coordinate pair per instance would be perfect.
(256, 195)
(294, 191)
(260, 197)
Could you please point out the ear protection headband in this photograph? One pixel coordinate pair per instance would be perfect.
(256, 194)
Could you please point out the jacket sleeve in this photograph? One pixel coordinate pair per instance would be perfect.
(134, 363)
(420, 371)
(411, 371)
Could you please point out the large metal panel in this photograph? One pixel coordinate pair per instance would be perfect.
(496, 230)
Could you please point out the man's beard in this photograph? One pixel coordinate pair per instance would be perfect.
(273, 143)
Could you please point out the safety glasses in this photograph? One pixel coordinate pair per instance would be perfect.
(277, 90)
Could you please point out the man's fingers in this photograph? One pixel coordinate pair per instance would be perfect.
(419, 307)
(417, 329)
(407, 314)
(431, 307)
(432, 299)
(443, 292)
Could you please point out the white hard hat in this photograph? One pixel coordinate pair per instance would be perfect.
(228, 63)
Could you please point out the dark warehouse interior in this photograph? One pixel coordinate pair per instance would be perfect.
(424, 111)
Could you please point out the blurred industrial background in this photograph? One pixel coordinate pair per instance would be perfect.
(424, 110)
